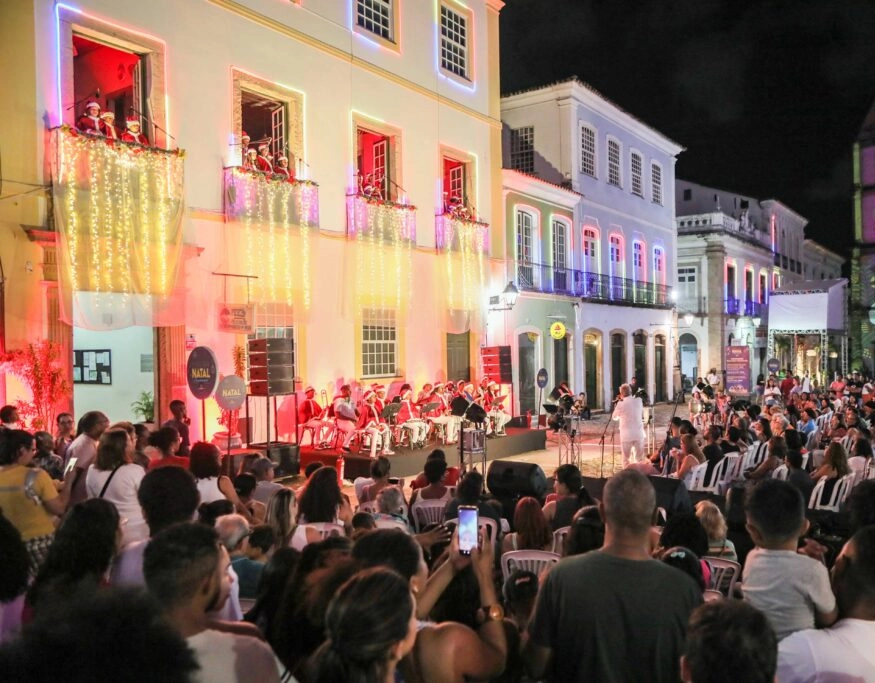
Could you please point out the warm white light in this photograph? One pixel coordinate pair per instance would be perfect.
(756, 321)
(674, 295)
(688, 319)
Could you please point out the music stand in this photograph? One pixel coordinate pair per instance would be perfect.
(473, 412)
(390, 412)
(428, 407)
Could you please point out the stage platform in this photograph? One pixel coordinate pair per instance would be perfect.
(409, 463)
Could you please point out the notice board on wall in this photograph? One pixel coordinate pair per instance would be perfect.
(92, 366)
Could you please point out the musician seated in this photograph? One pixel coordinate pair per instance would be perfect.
(408, 419)
(497, 417)
(345, 415)
(581, 406)
(371, 422)
(442, 414)
(312, 416)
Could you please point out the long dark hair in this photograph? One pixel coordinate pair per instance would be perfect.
(13, 441)
(369, 615)
(533, 531)
(321, 497)
(80, 554)
(111, 449)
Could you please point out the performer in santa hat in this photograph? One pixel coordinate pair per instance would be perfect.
(345, 414)
(262, 161)
(409, 420)
(90, 122)
(380, 393)
(442, 414)
(312, 416)
(371, 422)
(244, 147)
(108, 119)
(282, 168)
(249, 160)
(497, 417)
(132, 132)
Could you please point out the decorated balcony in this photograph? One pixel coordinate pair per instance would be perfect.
(463, 241)
(264, 198)
(369, 216)
(118, 212)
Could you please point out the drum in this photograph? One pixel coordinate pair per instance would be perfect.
(473, 440)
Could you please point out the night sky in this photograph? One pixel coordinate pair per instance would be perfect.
(767, 97)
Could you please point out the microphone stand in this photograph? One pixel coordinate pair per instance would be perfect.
(95, 96)
(677, 399)
(154, 125)
(602, 440)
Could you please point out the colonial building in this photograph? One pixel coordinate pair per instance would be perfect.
(733, 250)
(862, 315)
(607, 275)
(371, 259)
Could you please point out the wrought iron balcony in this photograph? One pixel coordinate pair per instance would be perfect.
(733, 306)
(536, 277)
(753, 308)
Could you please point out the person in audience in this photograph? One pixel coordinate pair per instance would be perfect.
(312, 467)
(571, 495)
(166, 442)
(860, 461)
(180, 422)
(685, 560)
(434, 489)
(762, 429)
(362, 523)
(14, 574)
(45, 457)
(321, 501)
(371, 626)
(141, 443)
(84, 449)
(280, 515)
(109, 635)
(64, 426)
(860, 505)
(277, 572)
(208, 513)
(777, 451)
(186, 570)
(714, 524)
(28, 497)
(729, 641)
(636, 607)
(450, 477)
(587, 532)
(79, 559)
(262, 541)
(244, 487)
(712, 451)
(796, 475)
(734, 443)
(531, 530)
(167, 496)
(470, 492)
(205, 464)
(842, 652)
(265, 486)
(686, 458)
(834, 467)
(380, 473)
(391, 507)
(234, 533)
(790, 588)
(836, 429)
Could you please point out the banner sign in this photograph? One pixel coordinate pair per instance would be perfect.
(202, 372)
(738, 369)
(239, 318)
(231, 392)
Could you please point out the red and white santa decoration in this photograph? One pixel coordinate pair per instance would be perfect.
(244, 147)
(282, 168)
(108, 119)
(90, 122)
(263, 160)
(132, 132)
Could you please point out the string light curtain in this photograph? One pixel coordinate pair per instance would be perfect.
(464, 245)
(383, 234)
(118, 211)
(276, 217)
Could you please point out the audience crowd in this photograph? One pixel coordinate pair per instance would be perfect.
(129, 554)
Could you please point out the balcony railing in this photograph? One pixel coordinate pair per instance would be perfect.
(536, 277)
(381, 219)
(732, 306)
(753, 308)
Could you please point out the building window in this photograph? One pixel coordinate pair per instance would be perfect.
(688, 195)
(614, 177)
(616, 255)
(375, 157)
(454, 42)
(376, 16)
(762, 288)
(524, 255)
(687, 282)
(656, 183)
(637, 170)
(587, 151)
(590, 250)
(638, 260)
(264, 120)
(659, 265)
(559, 244)
(379, 343)
(522, 149)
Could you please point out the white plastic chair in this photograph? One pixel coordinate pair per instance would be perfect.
(534, 561)
(813, 440)
(730, 468)
(724, 575)
(370, 507)
(755, 456)
(697, 478)
(559, 537)
(780, 473)
(847, 443)
(325, 529)
(822, 421)
(392, 524)
(805, 459)
(839, 493)
(424, 512)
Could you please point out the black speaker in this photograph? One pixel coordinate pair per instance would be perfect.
(274, 387)
(271, 372)
(286, 456)
(272, 344)
(594, 486)
(671, 494)
(516, 479)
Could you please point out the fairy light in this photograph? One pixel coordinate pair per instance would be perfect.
(109, 242)
(463, 243)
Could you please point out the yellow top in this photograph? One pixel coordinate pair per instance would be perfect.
(30, 518)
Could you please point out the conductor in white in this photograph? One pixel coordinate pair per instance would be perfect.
(629, 411)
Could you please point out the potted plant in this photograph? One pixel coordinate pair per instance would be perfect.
(145, 407)
(38, 366)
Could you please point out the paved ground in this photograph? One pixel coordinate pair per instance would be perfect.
(587, 448)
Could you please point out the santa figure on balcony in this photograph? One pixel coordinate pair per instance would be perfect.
(282, 168)
(109, 128)
(244, 147)
(133, 134)
(250, 162)
(90, 122)
(263, 160)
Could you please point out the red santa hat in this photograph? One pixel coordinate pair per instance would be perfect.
(244, 135)
(309, 389)
(263, 148)
(485, 381)
(378, 388)
(491, 384)
(91, 103)
(439, 385)
(108, 116)
(469, 387)
(132, 121)
(368, 394)
(407, 393)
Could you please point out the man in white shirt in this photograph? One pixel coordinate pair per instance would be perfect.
(92, 425)
(629, 412)
(843, 652)
(186, 570)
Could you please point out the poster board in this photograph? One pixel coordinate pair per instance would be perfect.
(737, 370)
(92, 366)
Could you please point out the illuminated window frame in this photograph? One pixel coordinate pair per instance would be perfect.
(379, 343)
(377, 20)
(615, 156)
(454, 58)
(395, 178)
(469, 174)
(560, 232)
(639, 265)
(590, 250)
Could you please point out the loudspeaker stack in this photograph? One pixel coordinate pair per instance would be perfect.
(271, 367)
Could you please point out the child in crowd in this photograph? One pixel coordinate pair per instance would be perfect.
(792, 590)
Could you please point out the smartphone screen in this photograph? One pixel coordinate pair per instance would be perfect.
(468, 525)
(70, 465)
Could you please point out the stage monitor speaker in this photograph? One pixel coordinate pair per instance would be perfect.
(273, 387)
(506, 478)
(594, 486)
(286, 456)
(266, 359)
(272, 345)
(271, 372)
(671, 494)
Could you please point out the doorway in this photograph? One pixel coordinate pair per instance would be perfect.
(689, 359)
(618, 361)
(458, 356)
(526, 348)
(639, 342)
(560, 361)
(659, 360)
(592, 370)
